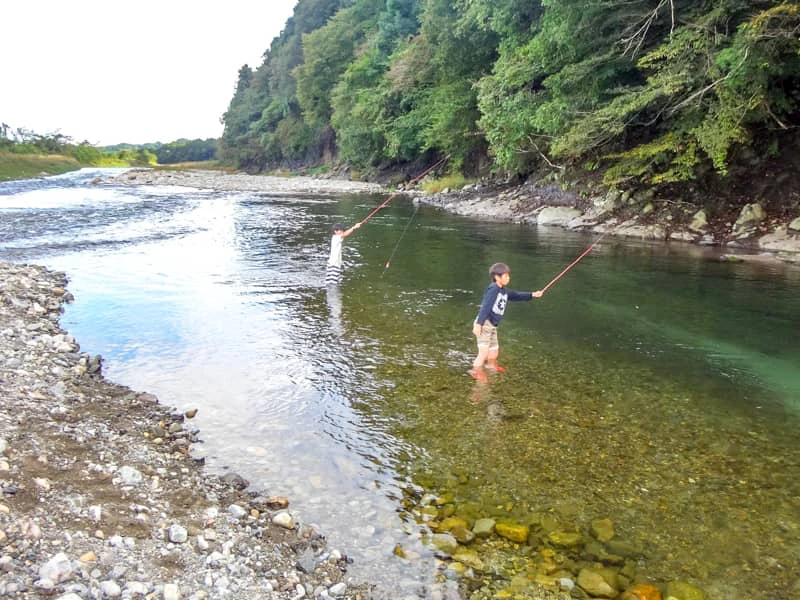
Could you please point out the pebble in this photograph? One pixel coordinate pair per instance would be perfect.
(284, 519)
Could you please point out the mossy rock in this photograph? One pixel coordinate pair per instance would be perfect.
(513, 531)
(450, 523)
(470, 558)
(566, 539)
(681, 590)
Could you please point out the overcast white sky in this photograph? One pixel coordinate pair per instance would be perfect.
(147, 71)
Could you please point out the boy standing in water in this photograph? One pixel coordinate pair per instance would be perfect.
(493, 306)
(333, 274)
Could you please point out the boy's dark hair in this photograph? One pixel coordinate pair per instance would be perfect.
(498, 269)
(338, 227)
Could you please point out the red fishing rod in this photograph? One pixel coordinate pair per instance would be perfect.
(574, 262)
(410, 183)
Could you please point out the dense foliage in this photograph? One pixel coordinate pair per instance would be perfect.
(182, 151)
(645, 91)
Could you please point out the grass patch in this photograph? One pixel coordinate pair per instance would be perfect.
(110, 161)
(25, 166)
(448, 182)
(318, 170)
(212, 165)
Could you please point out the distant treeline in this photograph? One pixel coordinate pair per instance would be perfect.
(639, 91)
(179, 151)
(24, 141)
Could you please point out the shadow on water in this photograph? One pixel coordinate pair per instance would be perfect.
(652, 387)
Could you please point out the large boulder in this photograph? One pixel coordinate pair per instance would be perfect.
(749, 218)
(780, 240)
(699, 221)
(557, 215)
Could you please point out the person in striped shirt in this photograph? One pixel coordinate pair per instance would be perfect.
(333, 274)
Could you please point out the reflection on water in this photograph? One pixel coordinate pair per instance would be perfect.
(652, 385)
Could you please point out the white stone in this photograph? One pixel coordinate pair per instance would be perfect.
(236, 511)
(565, 583)
(110, 589)
(136, 587)
(129, 476)
(335, 555)
(338, 589)
(57, 569)
(171, 592)
(177, 534)
(31, 530)
(284, 519)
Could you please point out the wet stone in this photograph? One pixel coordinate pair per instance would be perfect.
(483, 528)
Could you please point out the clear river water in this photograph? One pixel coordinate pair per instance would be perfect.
(653, 386)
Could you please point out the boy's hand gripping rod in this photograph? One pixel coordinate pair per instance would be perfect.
(412, 182)
(574, 262)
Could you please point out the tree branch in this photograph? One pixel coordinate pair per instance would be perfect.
(710, 86)
(542, 154)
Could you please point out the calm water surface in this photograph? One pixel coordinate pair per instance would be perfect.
(652, 385)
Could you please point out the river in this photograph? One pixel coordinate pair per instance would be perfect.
(652, 387)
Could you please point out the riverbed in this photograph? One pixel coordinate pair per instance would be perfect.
(653, 387)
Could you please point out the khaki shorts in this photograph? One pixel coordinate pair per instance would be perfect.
(488, 337)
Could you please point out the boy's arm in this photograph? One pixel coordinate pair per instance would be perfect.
(515, 296)
(486, 308)
(351, 230)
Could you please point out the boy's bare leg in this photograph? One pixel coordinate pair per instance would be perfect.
(483, 354)
(477, 371)
(491, 363)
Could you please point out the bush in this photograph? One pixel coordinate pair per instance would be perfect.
(452, 182)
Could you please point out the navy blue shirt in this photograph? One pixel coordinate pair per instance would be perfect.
(493, 305)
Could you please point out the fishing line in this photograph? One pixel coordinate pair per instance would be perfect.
(574, 262)
(402, 235)
(410, 183)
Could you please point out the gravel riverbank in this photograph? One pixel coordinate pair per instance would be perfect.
(100, 497)
(242, 182)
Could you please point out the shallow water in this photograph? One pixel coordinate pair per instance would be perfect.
(652, 385)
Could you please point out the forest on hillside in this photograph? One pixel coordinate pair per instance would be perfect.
(635, 92)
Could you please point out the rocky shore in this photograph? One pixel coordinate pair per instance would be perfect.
(100, 496)
(752, 233)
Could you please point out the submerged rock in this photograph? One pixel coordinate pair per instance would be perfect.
(642, 591)
(514, 532)
(681, 590)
